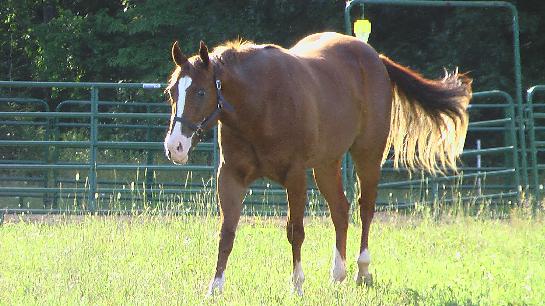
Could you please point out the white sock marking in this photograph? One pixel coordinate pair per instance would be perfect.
(363, 268)
(365, 257)
(338, 270)
(298, 278)
(216, 285)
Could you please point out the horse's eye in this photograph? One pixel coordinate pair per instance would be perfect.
(200, 92)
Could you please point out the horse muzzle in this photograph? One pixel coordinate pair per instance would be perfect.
(177, 148)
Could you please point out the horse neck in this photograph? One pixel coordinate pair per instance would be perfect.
(236, 85)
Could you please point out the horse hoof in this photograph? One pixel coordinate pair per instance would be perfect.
(216, 286)
(338, 276)
(213, 292)
(297, 290)
(366, 280)
(297, 286)
(338, 270)
(298, 278)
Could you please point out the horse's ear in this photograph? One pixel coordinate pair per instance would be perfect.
(203, 53)
(177, 56)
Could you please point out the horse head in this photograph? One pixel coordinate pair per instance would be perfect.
(193, 92)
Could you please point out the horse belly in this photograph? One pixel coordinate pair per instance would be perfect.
(335, 127)
(334, 140)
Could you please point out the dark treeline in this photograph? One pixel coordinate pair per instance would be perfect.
(129, 41)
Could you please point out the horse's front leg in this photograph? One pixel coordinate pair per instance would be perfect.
(296, 186)
(230, 190)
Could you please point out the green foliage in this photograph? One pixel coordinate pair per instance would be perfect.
(128, 40)
(17, 42)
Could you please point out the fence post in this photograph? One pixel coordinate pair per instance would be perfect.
(533, 147)
(93, 150)
(48, 174)
(518, 93)
(149, 160)
(513, 136)
(55, 160)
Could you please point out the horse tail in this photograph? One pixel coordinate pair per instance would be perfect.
(429, 118)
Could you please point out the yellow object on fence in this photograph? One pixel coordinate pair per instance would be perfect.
(362, 29)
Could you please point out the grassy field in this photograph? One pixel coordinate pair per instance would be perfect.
(170, 260)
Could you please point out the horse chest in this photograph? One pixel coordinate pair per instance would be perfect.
(273, 161)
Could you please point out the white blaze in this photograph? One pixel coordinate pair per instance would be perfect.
(177, 144)
(183, 85)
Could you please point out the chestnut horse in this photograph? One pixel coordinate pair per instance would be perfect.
(283, 111)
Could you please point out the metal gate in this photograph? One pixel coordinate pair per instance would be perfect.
(93, 155)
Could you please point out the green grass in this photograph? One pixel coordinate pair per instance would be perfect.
(170, 260)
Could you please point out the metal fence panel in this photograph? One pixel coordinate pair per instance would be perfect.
(87, 167)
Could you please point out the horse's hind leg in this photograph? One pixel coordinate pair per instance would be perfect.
(367, 157)
(329, 181)
(296, 186)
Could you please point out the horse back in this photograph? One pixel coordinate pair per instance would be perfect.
(350, 88)
(310, 98)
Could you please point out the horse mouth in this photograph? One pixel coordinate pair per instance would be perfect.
(176, 161)
(182, 161)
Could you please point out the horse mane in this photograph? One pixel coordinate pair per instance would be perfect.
(235, 45)
(236, 49)
(229, 51)
(174, 76)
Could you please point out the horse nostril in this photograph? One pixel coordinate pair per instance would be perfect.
(168, 154)
(179, 147)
